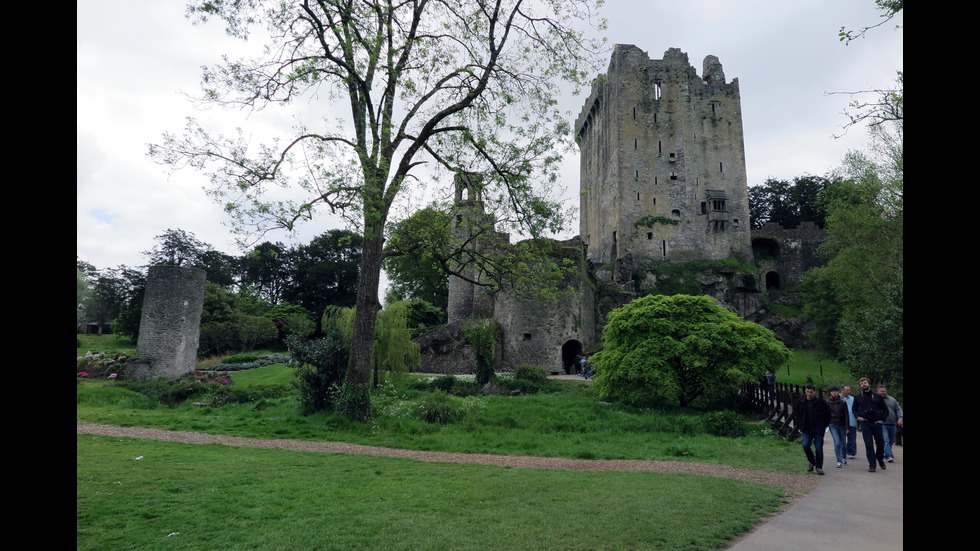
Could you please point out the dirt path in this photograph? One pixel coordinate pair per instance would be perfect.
(795, 485)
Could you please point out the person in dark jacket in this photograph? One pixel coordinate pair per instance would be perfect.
(840, 424)
(870, 411)
(812, 416)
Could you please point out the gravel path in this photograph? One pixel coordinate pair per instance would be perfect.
(795, 486)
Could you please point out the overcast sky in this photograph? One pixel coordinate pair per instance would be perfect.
(138, 61)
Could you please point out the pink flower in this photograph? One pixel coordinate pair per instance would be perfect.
(82, 374)
(111, 376)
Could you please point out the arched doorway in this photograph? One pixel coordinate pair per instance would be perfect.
(773, 280)
(569, 350)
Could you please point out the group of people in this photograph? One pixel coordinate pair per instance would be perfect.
(583, 367)
(875, 414)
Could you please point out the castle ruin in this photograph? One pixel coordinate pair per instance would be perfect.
(663, 183)
(663, 162)
(170, 326)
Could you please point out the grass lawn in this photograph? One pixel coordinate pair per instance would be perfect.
(142, 494)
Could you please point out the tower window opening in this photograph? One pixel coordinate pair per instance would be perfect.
(649, 235)
(721, 167)
(673, 175)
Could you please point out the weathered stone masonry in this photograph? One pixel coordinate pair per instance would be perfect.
(170, 326)
(663, 162)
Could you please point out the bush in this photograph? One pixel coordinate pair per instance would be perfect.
(531, 373)
(439, 408)
(724, 423)
(321, 365)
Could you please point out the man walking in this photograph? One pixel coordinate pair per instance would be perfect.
(870, 410)
(839, 424)
(811, 416)
(852, 443)
(889, 430)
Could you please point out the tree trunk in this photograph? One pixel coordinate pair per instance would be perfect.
(365, 319)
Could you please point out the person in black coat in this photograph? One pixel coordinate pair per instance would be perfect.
(812, 416)
(871, 412)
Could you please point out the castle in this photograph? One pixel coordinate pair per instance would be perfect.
(663, 182)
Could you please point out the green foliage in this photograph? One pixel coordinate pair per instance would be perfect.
(649, 220)
(439, 408)
(324, 271)
(480, 98)
(415, 254)
(681, 278)
(353, 400)
(321, 364)
(480, 336)
(787, 204)
(422, 315)
(724, 423)
(856, 299)
(394, 351)
(241, 362)
(666, 350)
(531, 373)
(240, 333)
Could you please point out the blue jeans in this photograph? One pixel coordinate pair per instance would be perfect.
(889, 432)
(814, 438)
(838, 432)
(874, 442)
(852, 442)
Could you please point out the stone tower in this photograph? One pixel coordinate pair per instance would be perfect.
(662, 162)
(170, 326)
(473, 230)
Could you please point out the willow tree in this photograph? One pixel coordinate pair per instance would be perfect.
(454, 85)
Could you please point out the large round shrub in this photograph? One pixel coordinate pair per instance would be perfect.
(681, 350)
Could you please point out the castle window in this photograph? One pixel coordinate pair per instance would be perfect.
(673, 175)
(649, 235)
(634, 143)
(675, 214)
(638, 196)
(658, 91)
(634, 113)
(672, 157)
(704, 207)
(718, 204)
(527, 336)
(721, 168)
(660, 147)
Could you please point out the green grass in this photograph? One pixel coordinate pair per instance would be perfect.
(807, 366)
(141, 494)
(571, 423)
(192, 496)
(110, 344)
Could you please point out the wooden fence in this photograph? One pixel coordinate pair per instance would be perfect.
(776, 406)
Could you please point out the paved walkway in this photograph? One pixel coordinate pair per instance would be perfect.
(851, 507)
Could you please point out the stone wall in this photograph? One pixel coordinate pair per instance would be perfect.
(170, 326)
(663, 161)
